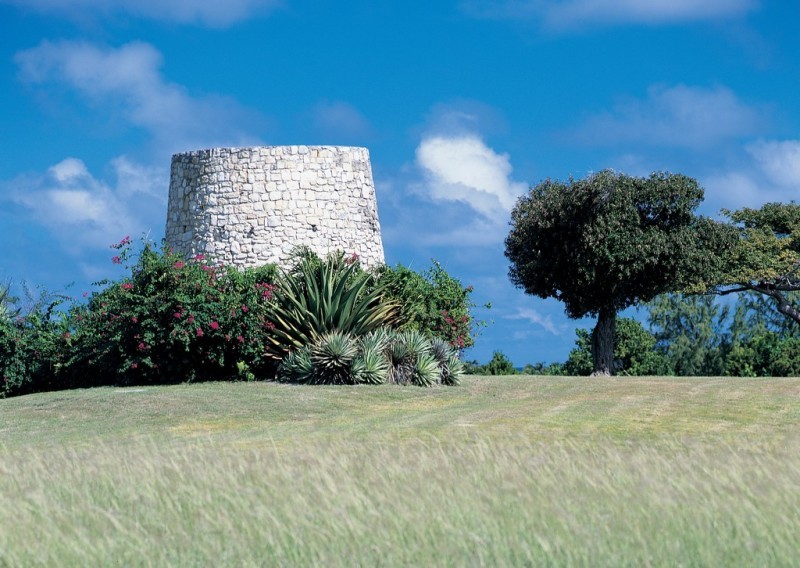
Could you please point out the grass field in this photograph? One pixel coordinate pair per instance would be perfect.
(500, 471)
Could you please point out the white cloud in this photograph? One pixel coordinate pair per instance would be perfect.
(734, 189)
(570, 14)
(535, 318)
(770, 171)
(85, 212)
(779, 160)
(464, 169)
(127, 80)
(679, 116)
(211, 13)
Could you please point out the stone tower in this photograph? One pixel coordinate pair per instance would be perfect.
(252, 206)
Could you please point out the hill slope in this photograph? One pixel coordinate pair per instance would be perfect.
(506, 470)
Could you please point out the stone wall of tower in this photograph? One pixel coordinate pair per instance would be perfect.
(252, 206)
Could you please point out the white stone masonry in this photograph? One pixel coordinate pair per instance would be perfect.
(252, 206)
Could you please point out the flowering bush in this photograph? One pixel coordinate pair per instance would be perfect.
(174, 320)
(171, 321)
(434, 303)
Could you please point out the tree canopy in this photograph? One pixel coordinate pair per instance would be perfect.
(606, 242)
(766, 258)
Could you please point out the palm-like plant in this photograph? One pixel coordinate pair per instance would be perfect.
(450, 366)
(332, 356)
(321, 296)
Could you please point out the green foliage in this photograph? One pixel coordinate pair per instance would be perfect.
(175, 320)
(691, 333)
(383, 355)
(432, 302)
(32, 346)
(499, 365)
(332, 356)
(769, 244)
(762, 343)
(634, 352)
(171, 321)
(611, 240)
(766, 259)
(7, 311)
(321, 296)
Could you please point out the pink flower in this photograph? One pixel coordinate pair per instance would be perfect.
(240, 339)
(142, 346)
(125, 241)
(199, 332)
(85, 294)
(214, 325)
(245, 309)
(178, 265)
(269, 325)
(199, 257)
(134, 319)
(190, 319)
(134, 365)
(116, 260)
(126, 286)
(177, 315)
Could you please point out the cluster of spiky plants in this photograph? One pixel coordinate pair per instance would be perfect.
(380, 356)
(320, 296)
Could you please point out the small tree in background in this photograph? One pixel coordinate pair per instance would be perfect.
(609, 241)
(766, 259)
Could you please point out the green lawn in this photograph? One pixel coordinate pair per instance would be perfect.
(500, 471)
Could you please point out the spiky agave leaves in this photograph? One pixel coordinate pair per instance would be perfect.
(450, 366)
(332, 356)
(318, 297)
(296, 367)
(372, 363)
(411, 359)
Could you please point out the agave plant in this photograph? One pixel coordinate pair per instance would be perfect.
(321, 296)
(372, 363)
(450, 366)
(332, 357)
(297, 367)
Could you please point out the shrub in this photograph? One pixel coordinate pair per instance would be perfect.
(407, 358)
(321, 296)
(32, 345)
(634, 352)
(172, 321)
(433, 302)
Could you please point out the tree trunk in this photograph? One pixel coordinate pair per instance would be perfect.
(603, 343)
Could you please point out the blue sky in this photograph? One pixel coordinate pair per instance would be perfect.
(463, 105)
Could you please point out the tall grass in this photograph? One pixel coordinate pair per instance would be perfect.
(455, 479)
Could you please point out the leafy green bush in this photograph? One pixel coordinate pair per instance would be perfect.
(171, 321)
(634, 352)
(433, 302)
(32, 345)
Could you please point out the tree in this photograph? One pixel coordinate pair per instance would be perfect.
(500, 365)
(634, 352)
(766, 258)
(691, 333)
(610, 240)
